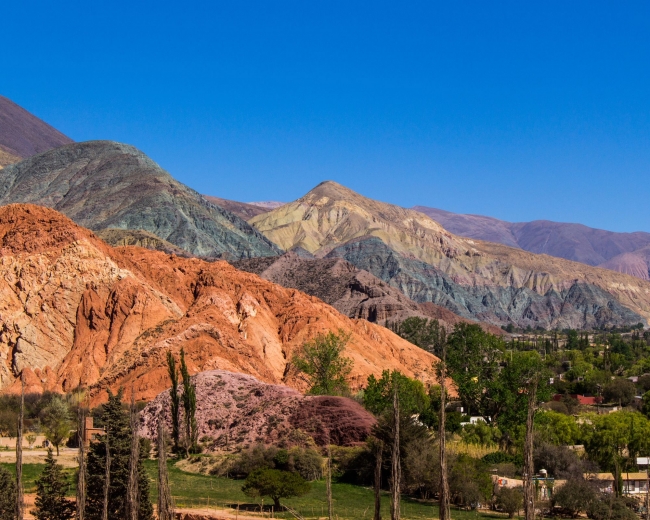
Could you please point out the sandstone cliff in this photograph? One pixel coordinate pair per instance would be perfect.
(77, 312)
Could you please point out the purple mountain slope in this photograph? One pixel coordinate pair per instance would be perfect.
(22, 134)
(623, 252)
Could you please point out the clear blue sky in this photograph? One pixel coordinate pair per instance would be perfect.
(519, 110)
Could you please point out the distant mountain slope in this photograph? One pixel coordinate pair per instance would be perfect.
(241, 209)
(103, 185)
(475, 279)
(576, 242)
(23, 134)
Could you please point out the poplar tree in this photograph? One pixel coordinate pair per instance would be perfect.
(175, 399)
(189, 407)
(165, 505)
(51, 489)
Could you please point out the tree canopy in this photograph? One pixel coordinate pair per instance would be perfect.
(322, 361)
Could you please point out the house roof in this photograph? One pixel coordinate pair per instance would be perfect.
(599, 476)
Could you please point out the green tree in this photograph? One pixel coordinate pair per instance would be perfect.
(613, 439)
(620, 391)
(510, 500)
(556, 428)
(322, 361)
(51, 489)
(189, 407)
(378, 394)
(473, 362)
(55, 421)
(426, 334)
(115, 419)
(276, 484)
(7, 495)
(175, 399)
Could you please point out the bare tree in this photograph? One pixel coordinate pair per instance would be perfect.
(107, 477)
(379, 451)
(395, 456)
(133, 490)
(20, 499)
(165, 506)
(444, 511)
(329, 479)
(529, 485)
(81, 474)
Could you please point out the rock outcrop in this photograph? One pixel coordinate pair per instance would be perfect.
(475, 279)
(352, 291)
(105, 185)
(235, 410)
(77, 312)
(22, 134)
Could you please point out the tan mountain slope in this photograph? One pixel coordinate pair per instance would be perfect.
(77, 312)
(332, 216)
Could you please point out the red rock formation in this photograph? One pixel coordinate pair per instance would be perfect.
(80, 313)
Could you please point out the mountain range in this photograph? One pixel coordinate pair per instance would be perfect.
(23, 134)
(475, 279)
(627, 253)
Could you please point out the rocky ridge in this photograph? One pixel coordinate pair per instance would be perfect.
(76, 312)
(475, 279)
(106, 185)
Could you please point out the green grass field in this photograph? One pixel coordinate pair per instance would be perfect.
(192, 491)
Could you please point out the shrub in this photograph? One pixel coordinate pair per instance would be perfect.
(510, 500)
(574, 496)
(608, 507)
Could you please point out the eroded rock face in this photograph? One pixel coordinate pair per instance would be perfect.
(77, 312)
(238, 410)
(352, 291)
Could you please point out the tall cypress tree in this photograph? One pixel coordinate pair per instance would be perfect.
(115, 419)
(189, 406)
(8, 495)
(51, 488)
(175, 399)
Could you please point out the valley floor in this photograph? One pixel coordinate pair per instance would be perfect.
(217, 498)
